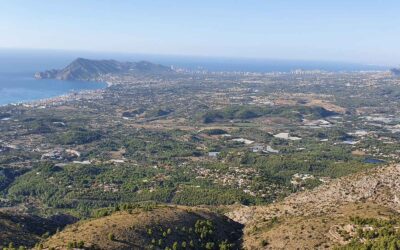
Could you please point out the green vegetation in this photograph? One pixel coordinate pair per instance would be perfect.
(78, 136)
(157, 112)
(85, 187)
(250, 112)
(111, 236)
(159, 169)
(372, 233)
(201, 235)
(12, 247)
(215, 131)
(133, 113)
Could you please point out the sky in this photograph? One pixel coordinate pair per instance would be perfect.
(366, 31)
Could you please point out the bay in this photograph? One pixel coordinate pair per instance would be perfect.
(17, 82)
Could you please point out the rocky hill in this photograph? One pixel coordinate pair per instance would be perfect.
(306, 219)
(155, 228)
(86, 69)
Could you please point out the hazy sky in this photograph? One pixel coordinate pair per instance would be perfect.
(350, 30)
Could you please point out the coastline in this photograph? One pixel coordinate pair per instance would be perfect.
(61, 99)
(68, 93)
(87, 94)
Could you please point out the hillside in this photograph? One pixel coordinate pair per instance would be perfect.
(155, 228)
(328, 217)
(328, 230)
(26, 230)
(86, 69)
(308, 219)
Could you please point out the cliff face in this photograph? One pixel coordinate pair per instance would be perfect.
(86, 70)
(49, 74)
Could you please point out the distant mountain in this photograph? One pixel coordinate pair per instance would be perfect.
(86, 69)
(395, 71)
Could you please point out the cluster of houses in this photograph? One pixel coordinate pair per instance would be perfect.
(60, 154)
(240, 178)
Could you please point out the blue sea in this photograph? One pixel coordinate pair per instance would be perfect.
(17, 82)
(17, 68)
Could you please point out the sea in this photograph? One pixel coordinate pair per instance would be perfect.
(17, 69)
(17, 82)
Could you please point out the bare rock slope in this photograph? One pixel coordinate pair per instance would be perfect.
(370, 193)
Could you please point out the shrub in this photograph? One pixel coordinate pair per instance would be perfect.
(111, 236)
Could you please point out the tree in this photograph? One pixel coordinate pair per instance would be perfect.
(81, 244)
(264, 242)
(224, 245)
(70, 245)
(210, 245)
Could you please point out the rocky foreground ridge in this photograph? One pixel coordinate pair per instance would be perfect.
(380, 186)
(306, 219)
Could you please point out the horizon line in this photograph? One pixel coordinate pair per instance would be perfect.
(197, 56)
